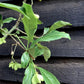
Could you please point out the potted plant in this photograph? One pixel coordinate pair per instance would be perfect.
(33, 48)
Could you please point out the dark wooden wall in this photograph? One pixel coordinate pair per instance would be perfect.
(51, 11)
(67, 59)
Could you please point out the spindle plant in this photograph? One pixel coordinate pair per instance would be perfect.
(33, 48)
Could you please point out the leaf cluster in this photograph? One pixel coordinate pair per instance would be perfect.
(33, 48)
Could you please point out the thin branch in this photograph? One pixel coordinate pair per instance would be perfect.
(21, 31)
(20, 41)
(25, 1)
(17, 23)
(13, 51)
(17, 42)
(36, 36)
(31, 2)
(32, 57)
(15, 26)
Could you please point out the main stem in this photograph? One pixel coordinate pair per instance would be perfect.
(15, 26)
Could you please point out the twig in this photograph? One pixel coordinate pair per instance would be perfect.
(25, 1)
(31, 2)
(20, 41)
(32, 57)
(16, 25)
(13, 51)
(17, 42)
(21, 31)
(36, 36)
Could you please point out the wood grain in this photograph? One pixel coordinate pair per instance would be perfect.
(51, 11)
(59, 48)
(8, 82)
(68, 71)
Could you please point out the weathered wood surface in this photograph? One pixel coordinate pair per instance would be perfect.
(50, 11)
(8, 82)
(68, 71)
(4, 0)
(67, 10)
(60, 48)
(54, 10)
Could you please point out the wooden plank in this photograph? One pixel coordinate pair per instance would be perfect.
(5, 49)
(68, 71)
(54, 10)
(4, 0)
(63, 47)
(59, 48)
(8, 74)
(8, 82)
(67, 10)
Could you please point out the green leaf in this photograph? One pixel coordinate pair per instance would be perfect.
(17, 66)
(13, 7)
(38, 21)
(40, 50)
(47, 52)
(2, 40)
(30, 20)
(25, 59)
(1, 20)
(4, 31)
(48, 77)
(30, 25)
(11, 64)
(14, 65)
(29, 73)
(37, 78)
(59, 24)
(36, 51)
(17, 32)
(46, 30)
(51, 36)
(8, 20)
(54, 35)
(19, 9)
(24, 37)
(0, 17)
